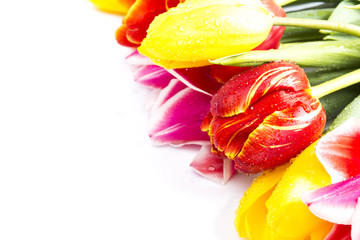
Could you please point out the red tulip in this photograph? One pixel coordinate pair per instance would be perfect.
(256, 118)
(138, 19)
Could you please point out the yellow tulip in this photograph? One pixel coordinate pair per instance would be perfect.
(114, 6)
(197, 31)
(271, 209)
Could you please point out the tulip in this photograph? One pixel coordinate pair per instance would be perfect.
(178, 91)
(114, 6)
(271, 209)
(256, 117)
(196, 31)
(339, 202)
(136, 22)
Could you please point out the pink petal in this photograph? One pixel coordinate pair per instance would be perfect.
(335, 203)
(137, 59)
(177, 115)
(213, 167)
(198, 78)
(152, 76)
(339, 151)
(339, 232)
(355, 230)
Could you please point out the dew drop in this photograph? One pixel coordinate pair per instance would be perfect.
(211, 168)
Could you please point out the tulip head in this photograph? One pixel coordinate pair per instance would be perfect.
(271, 208)
(257, 117)
(196, 31)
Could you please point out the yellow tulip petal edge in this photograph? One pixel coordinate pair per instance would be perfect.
(271, 209)
(113, 6)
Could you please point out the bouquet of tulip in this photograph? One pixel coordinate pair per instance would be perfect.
(265, 87)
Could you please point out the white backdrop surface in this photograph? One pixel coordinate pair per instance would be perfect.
(75, 158)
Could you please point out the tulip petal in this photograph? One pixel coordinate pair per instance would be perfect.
(152, 76)
(238, 94)
(335, 203)
(137, 21)
(114, 6)
(260, 113)
(288, 216)
(177, 115)
(355, 231)
(322, 231)
(272, 142)
(339, 151)
(194, 32)
(137, 59)
(213, 167)
(261, 186)
(340, 232)
(198, 78)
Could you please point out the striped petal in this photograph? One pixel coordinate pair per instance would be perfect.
(197, 78)
(152, 76)
(259, 115)
(177, 115)
(251, 85)
(339, 151)
(335, 203)
(212, 166)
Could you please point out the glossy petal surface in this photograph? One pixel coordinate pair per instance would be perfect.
(213, 167)
(286, 210)
(196, 31)
(271, 209)
(260, 113)
(335, 203)
(339, 151)
(152, 76)
(173, 121)
(339, 232)
(197, 78)
(239, 93)
(138, 19)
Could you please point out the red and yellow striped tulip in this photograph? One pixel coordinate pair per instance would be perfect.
(265, 116)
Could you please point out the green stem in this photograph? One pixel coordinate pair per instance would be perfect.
(318, 24)
(336, 84)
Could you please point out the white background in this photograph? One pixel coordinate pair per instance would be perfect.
(75, 158)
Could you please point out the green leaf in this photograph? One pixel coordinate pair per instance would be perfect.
(336, 102)
(343, 13)
(320, 54)
(352, 110)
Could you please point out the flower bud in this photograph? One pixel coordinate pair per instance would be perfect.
(257, 117)
(197, 31)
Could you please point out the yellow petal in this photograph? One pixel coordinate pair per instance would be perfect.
(255, 218)
(262, 185)
(114, 6)
(322, 231)
(288, 215)
(199, 30)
